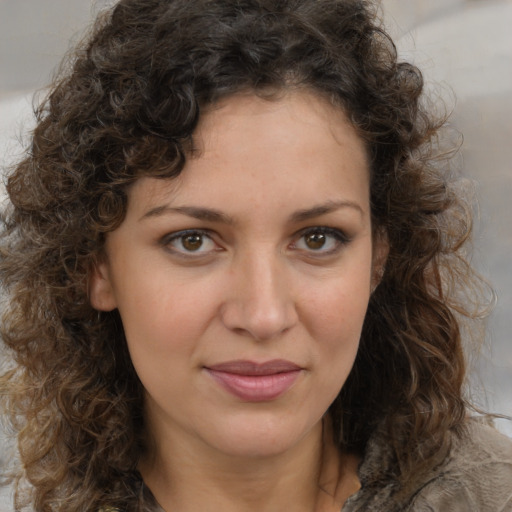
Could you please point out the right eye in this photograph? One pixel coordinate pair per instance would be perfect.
(190, 243)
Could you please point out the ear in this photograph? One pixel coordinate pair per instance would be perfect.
(379, 257)
(101, 293)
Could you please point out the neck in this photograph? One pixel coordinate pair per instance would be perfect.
(305, 478)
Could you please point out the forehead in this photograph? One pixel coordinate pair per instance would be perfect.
(273, 119)
(296, 148)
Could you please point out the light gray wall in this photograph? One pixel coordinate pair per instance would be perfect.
(34, 34)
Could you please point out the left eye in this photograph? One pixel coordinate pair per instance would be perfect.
(321, 240)
(190, 242)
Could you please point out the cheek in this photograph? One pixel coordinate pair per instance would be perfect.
(337, 333)
(336, 316)
(162, 338)
(340, 306)
(164, 318)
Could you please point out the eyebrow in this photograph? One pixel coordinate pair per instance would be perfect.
(212, 215)
(324, 209)
(206, 214)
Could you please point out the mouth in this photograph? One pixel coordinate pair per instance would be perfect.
(255, 382)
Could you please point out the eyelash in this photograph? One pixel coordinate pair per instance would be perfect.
(339, 236)
(340, 239)
(180, 235)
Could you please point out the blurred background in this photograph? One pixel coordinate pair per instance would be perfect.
(464, 48)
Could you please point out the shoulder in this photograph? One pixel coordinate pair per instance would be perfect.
(477, 475)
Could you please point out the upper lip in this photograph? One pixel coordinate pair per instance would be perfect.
(243, 367)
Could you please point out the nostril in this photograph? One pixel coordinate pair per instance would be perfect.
(260, 323)
(259, 301)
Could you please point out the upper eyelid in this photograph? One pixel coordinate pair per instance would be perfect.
(183, 232)
(341, 235)
(211, 234)
(328, 230)
(166, 240)
(341, 240)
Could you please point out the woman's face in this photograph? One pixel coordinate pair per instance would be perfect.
(243, 284)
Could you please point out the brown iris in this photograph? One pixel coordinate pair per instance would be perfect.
(315, 240)
(192, 242)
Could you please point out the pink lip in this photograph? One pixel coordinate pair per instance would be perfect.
(256, 382)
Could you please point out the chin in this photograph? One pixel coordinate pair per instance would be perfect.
(260, 439)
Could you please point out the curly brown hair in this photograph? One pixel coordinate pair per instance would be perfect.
(127, 106)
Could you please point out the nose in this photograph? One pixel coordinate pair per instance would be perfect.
(260, 300)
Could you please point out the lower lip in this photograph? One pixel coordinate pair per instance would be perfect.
(256, 388)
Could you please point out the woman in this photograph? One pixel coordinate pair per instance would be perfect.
(234, 267)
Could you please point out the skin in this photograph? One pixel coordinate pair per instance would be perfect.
(259, 279)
